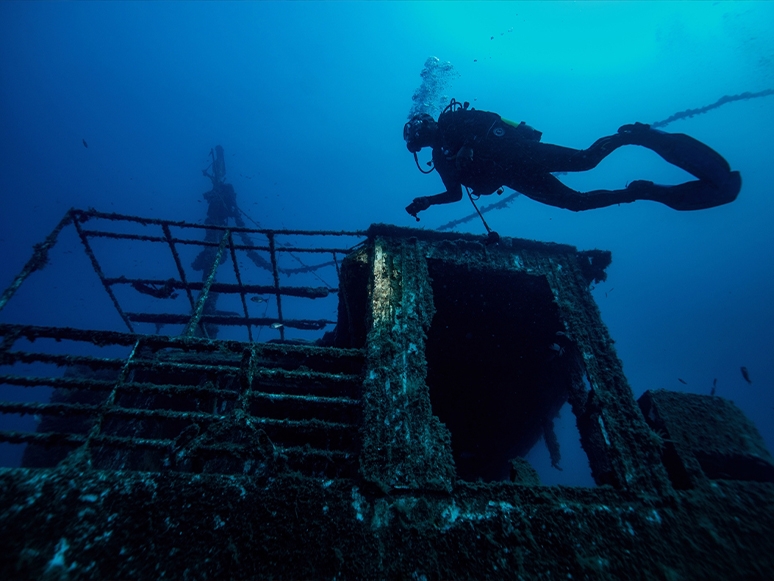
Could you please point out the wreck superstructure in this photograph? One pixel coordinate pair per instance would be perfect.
(390, 447)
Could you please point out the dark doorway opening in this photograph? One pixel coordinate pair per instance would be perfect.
(498, 364)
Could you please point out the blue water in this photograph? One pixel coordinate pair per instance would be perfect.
(309, 100)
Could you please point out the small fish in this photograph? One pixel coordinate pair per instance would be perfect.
(257, 299)
(746, 374)
(714, 386)
(557, 350)
(681, 380)
(277, 325)
(84, 143)
(712, 391)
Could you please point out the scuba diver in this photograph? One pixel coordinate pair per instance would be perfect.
(221, 205)
(483, 152)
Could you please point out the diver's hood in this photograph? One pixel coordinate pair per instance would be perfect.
(418, 132)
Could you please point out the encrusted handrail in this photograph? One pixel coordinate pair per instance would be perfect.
(219, 246)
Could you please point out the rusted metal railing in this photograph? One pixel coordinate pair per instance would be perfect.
(224, 248)
(133, 412)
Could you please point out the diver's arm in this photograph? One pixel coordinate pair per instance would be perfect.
(448, 169)
(453, 194)
(453, 191)
(424, 202)
(449, 172)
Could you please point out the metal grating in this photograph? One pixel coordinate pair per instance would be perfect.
(187, 404)
(275, 264)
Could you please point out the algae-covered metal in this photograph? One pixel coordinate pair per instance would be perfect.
(390, 449)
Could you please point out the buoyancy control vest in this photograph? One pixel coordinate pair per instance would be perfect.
(493, 140)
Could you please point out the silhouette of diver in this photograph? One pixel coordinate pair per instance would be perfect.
(221, 205)
(482, 151)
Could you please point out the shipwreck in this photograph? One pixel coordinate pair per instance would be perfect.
(226, 427)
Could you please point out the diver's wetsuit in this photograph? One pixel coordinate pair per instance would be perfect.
(480, 150)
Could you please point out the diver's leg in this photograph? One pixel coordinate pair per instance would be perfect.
(717, 184)
(549, 190)
(681, 150)
(555, 158)
(693, 195)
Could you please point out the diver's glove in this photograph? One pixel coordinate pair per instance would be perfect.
(418, 205)
(464, 157)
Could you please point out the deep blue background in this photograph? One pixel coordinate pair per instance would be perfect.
(309, 99)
